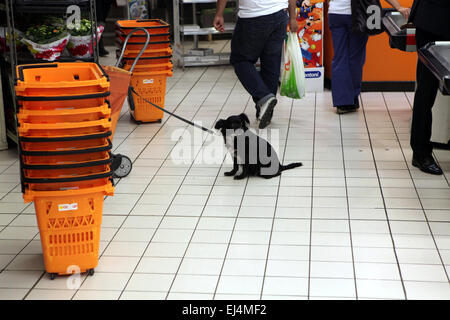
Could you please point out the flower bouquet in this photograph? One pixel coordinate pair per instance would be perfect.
(81, 42)
(5, 37)
(46, 42)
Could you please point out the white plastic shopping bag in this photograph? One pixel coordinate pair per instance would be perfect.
(293, 79)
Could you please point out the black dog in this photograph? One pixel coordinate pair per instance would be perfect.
(252, 155)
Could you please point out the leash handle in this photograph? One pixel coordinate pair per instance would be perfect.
(173, 114)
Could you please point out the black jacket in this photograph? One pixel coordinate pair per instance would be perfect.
(432, 16)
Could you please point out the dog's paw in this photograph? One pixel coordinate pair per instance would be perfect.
(240, 177)
(229, 173)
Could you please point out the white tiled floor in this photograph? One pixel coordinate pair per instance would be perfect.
(356, 221)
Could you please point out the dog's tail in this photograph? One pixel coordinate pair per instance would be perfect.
(290, 166)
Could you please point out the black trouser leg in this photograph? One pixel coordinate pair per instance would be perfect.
(426, 91)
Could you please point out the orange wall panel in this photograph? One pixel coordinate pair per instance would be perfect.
(382, 62)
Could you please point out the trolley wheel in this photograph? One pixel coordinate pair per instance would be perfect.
(124, 167)
(52, 276)
(91, 272)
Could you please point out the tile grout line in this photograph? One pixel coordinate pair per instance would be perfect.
(137, 126)
(418, 196)
(167, 156)
(234, 226)
(383, 199)
(204, 206)
(18, 184)
(31, 240)
(312, 196)
(163, 216)
(282, 160)
(348, 207)
(16, 255)
(129, 212)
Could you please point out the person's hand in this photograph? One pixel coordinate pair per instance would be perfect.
(404, 12)
(219, 23)
(306, 3)
(293, 25)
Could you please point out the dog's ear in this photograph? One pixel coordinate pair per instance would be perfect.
(219, 124)
(244, 118)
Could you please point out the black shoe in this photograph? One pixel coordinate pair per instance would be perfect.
(267, 112)
(426, 164)
(356, 101)
(102, 52)
(346, 109)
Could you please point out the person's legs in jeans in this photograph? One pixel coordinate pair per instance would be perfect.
(357, 52)
(341, 79)
(272, 52)
(247, 44)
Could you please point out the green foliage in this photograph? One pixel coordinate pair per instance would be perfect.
(45, 33)
(85, 28)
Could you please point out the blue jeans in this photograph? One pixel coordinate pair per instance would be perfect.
(260, 37)
(348, 60)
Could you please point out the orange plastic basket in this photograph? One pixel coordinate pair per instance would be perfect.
(64, 129)
(65, 160)
(149, 53)
(152, 87)
(128, 62)
(64, 146)
(138, 38)
(69, 78)
(47, 175)
(61, 102)
(64, 115)
(69, 225)
(139, 45)
(153, 26)
(71, 185)
(167, 67)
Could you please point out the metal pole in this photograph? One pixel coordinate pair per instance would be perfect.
(3, 141)
(194, 16)
(93, 11)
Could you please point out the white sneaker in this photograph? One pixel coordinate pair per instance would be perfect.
(266, 112)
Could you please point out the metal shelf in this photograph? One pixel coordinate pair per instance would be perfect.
(199, 1)
(13, 58)
(206, 31)
(208, 60)
(204, 57)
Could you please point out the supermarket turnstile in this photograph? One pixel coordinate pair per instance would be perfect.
(436, 56)
(401, 34)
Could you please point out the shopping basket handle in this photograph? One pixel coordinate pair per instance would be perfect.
(20, 68)
(124, 45)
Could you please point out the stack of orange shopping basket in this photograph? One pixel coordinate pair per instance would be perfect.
(64, 130)
(154, 66)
